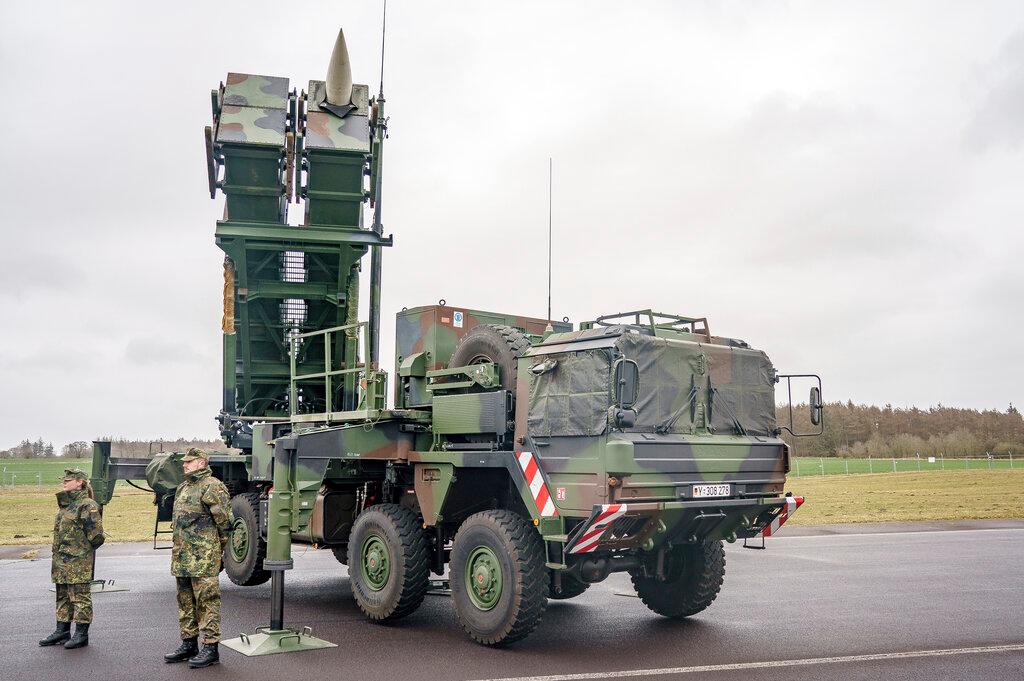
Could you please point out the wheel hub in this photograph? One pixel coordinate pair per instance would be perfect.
(239, 540)
(483, 578)
(375, 563)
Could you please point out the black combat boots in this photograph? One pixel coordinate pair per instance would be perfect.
(81, 637)
(187, 649)
(60, 634)
(207, 656)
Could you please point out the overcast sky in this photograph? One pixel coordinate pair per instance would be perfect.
(840, 184)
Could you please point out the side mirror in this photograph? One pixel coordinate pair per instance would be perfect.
(627, 383)
(815, 405)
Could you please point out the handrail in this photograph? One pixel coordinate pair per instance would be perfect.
(328, 373)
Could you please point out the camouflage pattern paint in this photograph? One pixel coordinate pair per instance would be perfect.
(244, 89)
(437, 329)
(199, 607)
(77, 533)
(201, 522)
(74, 603)
(251, 125)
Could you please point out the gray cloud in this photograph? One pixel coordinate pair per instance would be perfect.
(999, 118)
(806, 175)
(159, 351)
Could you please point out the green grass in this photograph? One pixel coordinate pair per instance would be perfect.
(26, 515)
(45, 472)
(939, 495)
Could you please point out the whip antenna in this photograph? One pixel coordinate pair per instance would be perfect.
(383, 32)
(550, 174)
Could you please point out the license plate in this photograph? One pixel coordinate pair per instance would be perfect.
(712, 490)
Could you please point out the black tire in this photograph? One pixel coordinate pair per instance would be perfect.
(398, 534)
(502, 345)
(694, 577)
(245, 568)
(570, 588)
(518, 553)
(341, 554)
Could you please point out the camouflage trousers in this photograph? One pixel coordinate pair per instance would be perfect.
(74, 603)
(199, 607)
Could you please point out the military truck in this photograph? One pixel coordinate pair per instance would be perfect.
(524, 458)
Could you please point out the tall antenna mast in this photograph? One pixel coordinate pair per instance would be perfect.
(383, 31)
(379, 123)
(550, 175)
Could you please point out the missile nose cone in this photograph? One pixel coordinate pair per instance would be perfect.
(339, 74)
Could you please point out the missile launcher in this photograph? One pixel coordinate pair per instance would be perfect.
(523, 457)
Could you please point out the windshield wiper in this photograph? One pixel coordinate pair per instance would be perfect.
(740, 430)
(667, 425)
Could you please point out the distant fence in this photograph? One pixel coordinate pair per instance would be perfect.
(804, 466)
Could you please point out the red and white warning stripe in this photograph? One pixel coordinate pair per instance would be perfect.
(792, 503)
(535, 480)
(591, 537)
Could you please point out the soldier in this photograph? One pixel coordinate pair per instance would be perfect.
(77, 533)
(201, 522)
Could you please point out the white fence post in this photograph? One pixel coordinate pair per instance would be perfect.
(942, 460)
(1010, 452)
(848, 465)
(821, 462)
(871, 468)
(894, 464)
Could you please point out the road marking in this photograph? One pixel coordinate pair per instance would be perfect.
(767, 664)
(897, 534)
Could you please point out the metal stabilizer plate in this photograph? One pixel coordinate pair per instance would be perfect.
(439, 587)
(102, 586)
(266, 641)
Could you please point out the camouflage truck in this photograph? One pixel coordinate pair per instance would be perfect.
(524, 458)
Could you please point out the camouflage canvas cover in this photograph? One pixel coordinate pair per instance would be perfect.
(732, 383)
(737, 383)
(572, 398)
(164, 473)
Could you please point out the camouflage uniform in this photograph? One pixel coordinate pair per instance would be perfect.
(77, 533)
(201, 522)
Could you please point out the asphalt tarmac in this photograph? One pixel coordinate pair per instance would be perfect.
(896, 602)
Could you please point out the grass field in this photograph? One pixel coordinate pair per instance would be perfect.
(38, 472)
(44, 472)
(26, 514)
(942, 495)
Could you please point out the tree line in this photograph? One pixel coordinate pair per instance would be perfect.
(858, 430)
(119, 446)
(850, 430)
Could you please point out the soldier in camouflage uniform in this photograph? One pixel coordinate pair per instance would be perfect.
(77, 533)
(201, 522)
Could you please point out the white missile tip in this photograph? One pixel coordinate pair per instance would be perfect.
(339, 73)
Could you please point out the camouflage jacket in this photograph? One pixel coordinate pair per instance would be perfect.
(201, 522)
(77, 533)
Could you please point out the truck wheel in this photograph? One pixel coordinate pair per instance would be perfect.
(498, 579)
(388, 562)
(502, 345)
(694, 577)
(571, 587)
(341, 554)
(246, 549)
